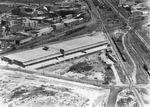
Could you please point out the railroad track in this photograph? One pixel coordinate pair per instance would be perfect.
(140, 101)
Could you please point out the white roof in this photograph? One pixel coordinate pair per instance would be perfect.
(58, 24)
(45, 29)
(70, 20)
(38, 18)
(141, 11)
(38, 53)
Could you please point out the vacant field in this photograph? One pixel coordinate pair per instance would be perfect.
(24, 90)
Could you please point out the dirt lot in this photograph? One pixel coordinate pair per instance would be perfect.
(24, 90)
(126, 98)
(88, 67)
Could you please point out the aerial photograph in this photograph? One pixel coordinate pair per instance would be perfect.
(74, 53)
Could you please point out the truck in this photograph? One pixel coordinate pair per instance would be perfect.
(146, 68)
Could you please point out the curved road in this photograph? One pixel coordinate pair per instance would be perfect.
(134, 64)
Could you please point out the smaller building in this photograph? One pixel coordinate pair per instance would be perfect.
(140, 12)
(44, 31)
(30, 24)
(58, 19)
(39, 19)
(80, 15)
(17, 40)
(81, 20)
(83, 7)
(58, 26)
(69, 16)
(22, 33)
(49, 20)
(70, 22)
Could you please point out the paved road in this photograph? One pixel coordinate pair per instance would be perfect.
(118, 81)
(134, 64)
(113, 97)
(140, 101)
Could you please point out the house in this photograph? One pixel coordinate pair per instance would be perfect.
(70, 22)
(40, 19)
(44, 31)
(58, 26)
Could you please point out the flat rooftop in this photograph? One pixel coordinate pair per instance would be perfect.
(13, 38)
(38, 53)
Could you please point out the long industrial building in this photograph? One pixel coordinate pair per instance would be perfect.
(76, 47)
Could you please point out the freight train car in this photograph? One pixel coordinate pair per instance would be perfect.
(122, 56)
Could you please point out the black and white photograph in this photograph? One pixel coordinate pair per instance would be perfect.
(74, 53)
